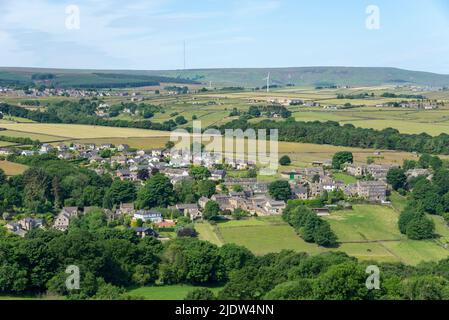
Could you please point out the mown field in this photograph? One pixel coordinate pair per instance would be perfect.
(368, 233)
(433, 122)
(12, 169)
(73, 131)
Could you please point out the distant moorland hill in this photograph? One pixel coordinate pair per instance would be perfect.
(84, 79)
(304, 76)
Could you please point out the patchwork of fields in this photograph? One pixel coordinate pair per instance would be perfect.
(301, 154)
(433, 122)
(368, 233)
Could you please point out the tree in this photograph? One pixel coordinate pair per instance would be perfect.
(92, 197)
(441, 181)
(203, 294)
(235, 257)
(424, 161)
(186, 232)
(237, 188)
(120, 192)
(280, 190)
(199, 172)
(420, 228)
(211, 210)
(409, 164)
(240, 214)
(2, 177)
(157, 192)
(342, 282)
(143, 174)
(341, 158)
(191, 261)
(169, 145)
(324, 236)
(107, 291)
(396, 178)
(106, 153)
(436, 163)
(180, 120)
(37, 189)
(285, 161)
(427, 287)
(406, 216)
(206, 188)
(185, 191)
(254, 111)
(56, 192)
(293, 290)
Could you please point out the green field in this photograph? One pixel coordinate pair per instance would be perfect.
(207, 232)
(261, 235)
(175, 292)
(365, 223)
(376, 228)
(347, 179)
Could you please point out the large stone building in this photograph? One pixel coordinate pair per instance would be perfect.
(373, 191)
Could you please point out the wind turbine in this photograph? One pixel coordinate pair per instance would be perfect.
(268, 82)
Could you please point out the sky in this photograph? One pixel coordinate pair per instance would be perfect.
(150, 34)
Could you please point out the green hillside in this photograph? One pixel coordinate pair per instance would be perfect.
(82, 79)
(304, 76)
(314, 76)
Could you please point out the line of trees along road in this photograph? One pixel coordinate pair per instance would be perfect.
(348, 135)
(81, 113)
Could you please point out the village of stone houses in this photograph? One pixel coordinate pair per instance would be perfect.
(235, 197)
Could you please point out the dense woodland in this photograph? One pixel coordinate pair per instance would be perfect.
(111, 260)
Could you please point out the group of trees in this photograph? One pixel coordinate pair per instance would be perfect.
(258, 111)
(113, 259)
(280, 190)
(285, 161)
(109, 259)
(342, 158)
(348, 135)
(332, 276)
(308, 225)
(20, 140)
(51, 183)
(81, 112)
(147, 111)
(427, 196)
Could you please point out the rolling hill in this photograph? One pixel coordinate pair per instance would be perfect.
(304, 76)
(83, 78)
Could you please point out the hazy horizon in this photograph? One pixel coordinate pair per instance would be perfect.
(211, 68)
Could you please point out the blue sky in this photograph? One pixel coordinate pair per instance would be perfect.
(149, 34)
